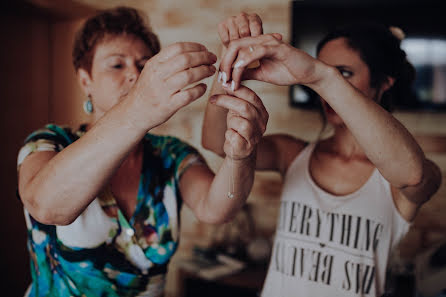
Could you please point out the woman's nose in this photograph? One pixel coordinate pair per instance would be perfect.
(133, 73)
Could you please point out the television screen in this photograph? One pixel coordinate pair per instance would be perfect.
(428, 55)
(425, 42)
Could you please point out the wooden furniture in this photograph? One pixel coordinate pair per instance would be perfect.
(246, 283)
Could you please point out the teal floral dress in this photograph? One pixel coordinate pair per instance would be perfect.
(102, 253)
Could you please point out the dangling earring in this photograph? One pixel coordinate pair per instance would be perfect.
(88, 106)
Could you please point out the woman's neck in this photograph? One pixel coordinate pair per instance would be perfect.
(134, 157)
(344, 144)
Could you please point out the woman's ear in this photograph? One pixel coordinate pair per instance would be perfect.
(387, 84)
(84, 81)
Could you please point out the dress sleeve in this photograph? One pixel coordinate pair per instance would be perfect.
(185, 156)
(50, 138)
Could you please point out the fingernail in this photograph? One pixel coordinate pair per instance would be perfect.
(219, 76)
(225, 85)
(232, 85)
(239, 64)
(224, 77)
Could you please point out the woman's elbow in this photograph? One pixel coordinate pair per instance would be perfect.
(49, 217)
(434, 174)
(415, 178)
(425, 187)
(44, 213)
(413, 172)
(428, 171)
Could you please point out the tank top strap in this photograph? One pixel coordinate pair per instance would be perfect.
(301, 159)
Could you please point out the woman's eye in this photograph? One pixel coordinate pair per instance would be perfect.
(345, 73)
(117, 66)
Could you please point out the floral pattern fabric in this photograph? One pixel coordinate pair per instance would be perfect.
(102, 253)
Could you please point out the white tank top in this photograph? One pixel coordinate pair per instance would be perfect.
(328, 245)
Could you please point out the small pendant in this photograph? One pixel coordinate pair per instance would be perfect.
(230, 195)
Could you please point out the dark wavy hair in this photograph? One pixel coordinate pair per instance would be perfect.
(111, 22)
(381, 51)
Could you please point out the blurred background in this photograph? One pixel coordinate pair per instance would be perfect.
(38, 86)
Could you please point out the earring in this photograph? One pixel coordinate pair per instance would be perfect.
(88, 106)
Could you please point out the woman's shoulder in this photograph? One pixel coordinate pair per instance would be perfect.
(63, 135)
(173, 151)
(159, 139)
(288, 147)
(171, 145)
(48, 138)
(164, 140)
(288, 143)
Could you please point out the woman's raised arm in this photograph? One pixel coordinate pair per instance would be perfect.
(56, 188)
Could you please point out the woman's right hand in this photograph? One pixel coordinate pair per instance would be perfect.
(160, 90)
(280, 63)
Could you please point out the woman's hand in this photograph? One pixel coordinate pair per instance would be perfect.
(246, 121)
(161, 87)
(280, 63)
(236, 27)
(214, 124)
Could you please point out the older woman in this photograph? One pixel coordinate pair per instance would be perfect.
(102, 202)
(348, 199)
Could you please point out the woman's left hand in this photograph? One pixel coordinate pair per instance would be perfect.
(240, 26)
(246, 121)
(280, 63)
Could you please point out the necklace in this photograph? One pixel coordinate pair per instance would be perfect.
(231, 177)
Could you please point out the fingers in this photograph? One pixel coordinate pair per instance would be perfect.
(184, 97)
(245, 57)
(246, 105)
(224, 33)
(242, 23)
(240, 26)
(251, 74)
(242, 52)
(233, 141)
(236, 146)
(246, 121)
(277, 36)
(232, 28)
(244, 128)
(185, 61)
(186, 77)
(236, 105)
(251, 99)
(255, 25)
(178, 48)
